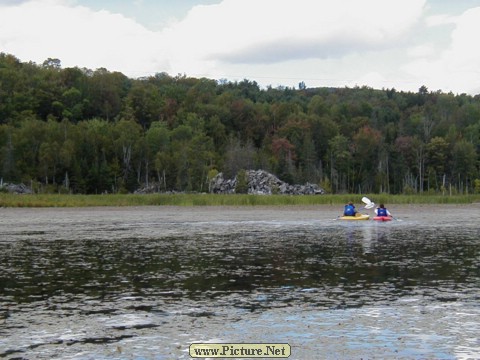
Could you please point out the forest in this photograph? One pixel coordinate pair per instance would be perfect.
(82, 131)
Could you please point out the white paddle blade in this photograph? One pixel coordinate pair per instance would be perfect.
(366, 200)
(369, 206)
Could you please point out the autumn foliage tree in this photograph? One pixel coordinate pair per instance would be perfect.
(94, 131)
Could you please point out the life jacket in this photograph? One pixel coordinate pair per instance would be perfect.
(349, 210)
(382, 212)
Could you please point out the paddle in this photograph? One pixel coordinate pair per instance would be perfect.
(368, 203)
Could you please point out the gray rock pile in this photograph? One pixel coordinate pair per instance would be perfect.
(152, 188)
(263, 183)
(15, 188)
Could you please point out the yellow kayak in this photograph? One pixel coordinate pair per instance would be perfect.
(358, 216)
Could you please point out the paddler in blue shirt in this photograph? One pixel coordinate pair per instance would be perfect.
(382, 211)
(349, 210)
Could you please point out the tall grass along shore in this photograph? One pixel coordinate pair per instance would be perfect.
(62, 200)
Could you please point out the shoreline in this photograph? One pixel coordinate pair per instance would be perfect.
(215, 200)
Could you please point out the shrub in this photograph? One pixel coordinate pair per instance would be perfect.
(477, 186)
(241, 186)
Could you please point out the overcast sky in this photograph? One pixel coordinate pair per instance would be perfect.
(401, 44)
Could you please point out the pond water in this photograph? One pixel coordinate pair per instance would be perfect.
(146, 282)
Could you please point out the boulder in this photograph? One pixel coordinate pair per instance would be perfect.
(259, 182)
(152, 188)
(16, 188)
(263, 183)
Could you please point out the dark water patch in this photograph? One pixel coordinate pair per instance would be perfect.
(137, 327)
(101, 340)
(99, 312)
(177, 267)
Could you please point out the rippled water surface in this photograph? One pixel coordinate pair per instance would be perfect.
(144, 283)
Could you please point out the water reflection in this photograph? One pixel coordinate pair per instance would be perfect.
(360, 259)
(112, 283)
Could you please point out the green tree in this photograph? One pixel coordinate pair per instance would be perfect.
(106, 93)
(238, 156)
(146, 103)
(311, 172)
(73, 104)
(200, 160)
(158, 144)
(340, 163)
(464, 164)
(127, 136)
(366, 146)
(317, 106)
(285, 157)
(7, 157)
(26, 142)
(180, 140)
(436, 160)
(216, 130)
(322, 129)
(95, 148)
(96, 131)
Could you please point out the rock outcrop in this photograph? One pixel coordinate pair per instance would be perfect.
(259, 182)
(16, 188)
(152, 188)
(263, 183)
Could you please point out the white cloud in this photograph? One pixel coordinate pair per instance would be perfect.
(455, 68)
(232, 32)
(287, 40)
(437, 20)
(39, 29)
(376, 43)
(421, 51)
(269, 31)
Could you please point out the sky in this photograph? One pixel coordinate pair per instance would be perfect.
(382, 44)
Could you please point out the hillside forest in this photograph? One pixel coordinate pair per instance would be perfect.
(77, 130)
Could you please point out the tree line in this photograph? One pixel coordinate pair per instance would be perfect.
(83, 131)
